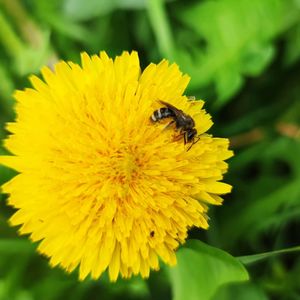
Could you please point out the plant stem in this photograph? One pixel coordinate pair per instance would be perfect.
(159, 21)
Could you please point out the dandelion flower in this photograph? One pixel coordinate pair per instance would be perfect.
(99, 185)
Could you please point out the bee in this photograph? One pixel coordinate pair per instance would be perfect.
(183, 122)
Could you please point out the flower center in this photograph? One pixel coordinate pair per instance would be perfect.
(125, 166)
(129, 167)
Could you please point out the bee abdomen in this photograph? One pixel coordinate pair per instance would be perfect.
(162, 113)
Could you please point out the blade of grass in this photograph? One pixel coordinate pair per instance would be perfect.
(250, 259)
(160, 24)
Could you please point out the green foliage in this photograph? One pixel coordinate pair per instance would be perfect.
(243, 58)
(78, 9)
(244, 291)
(250, 259)
(237, 38)
(292, 45)
(201, 270)
(273, 208)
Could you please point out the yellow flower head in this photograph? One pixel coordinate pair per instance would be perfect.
(99, 184)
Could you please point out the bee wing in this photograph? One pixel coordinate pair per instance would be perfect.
(176, 111)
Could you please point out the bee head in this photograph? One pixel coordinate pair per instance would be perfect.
(191, 135)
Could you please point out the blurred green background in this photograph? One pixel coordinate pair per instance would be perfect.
(244, 60)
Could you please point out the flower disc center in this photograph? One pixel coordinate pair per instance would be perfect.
(125, 166)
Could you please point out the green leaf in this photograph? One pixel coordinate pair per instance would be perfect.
(16, 246)
(79, 10)
(273, 199)
(228, 82)
(9, 40)
(292, 47)
(237, 37)
(257, 58)
(68, 27)
(201, 270)
(7, 87)
(250, 259)
(253, 218)
(240, 291)
(32, 59)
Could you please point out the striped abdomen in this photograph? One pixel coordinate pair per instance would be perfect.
(162, 113)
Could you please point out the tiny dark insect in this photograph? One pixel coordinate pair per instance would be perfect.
(183, 122)
(152, 233)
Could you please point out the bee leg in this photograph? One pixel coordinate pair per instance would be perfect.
(168, 125)
(193, 143)
(190, 147)
(185, 137)
(179, 136)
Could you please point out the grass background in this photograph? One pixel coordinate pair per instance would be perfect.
(243, 57)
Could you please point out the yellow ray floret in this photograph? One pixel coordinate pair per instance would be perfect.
(99, 184)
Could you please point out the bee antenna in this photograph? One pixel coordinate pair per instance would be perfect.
(193, 143)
